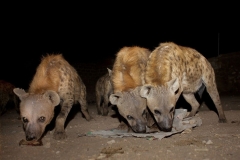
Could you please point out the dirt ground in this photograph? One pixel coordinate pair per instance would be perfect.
(210, 141)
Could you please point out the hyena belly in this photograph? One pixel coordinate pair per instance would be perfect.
(127, 77)
(55, 82)
(103, 90)
(7, 96)
(173, 70)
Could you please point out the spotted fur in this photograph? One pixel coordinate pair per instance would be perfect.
(55, 82)
(173, 70)
(127, 79)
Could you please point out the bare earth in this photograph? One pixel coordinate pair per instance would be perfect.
(210, 141)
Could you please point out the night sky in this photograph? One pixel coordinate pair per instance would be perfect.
(86, 36)
(23, 51)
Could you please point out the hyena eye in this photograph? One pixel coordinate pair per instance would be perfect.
(41, 119)
(176, 91)
(129, 117)
(25, 120)
(171, 110)
(157, 112)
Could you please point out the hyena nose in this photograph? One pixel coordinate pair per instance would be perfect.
(141, 128)
(167, 129)
(30, 138)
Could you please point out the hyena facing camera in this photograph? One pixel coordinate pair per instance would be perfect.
(55, 82)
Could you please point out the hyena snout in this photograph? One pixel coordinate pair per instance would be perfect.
(166, 124)
(33, 132)
(31, 136)
(140, 127)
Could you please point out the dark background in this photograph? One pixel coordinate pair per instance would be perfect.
(94, 32)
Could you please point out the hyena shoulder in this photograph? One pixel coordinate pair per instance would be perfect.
(129, 67)
(53, 71)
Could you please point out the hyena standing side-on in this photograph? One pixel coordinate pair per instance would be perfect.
(173, 70)
(55, 82)
(127, 79)
(7, 96)
(103, 90)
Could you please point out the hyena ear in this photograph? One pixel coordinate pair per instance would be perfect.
(145, 91)
(109, 72)
(114, 98)
(53, 97)
(174, 85)
(20, 93)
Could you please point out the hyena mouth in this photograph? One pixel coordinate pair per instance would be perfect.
(31, 138)
(139, 128)
(164, 128)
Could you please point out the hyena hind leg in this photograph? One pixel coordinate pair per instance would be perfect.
(84, 108)
(190, 98)
(212, 91)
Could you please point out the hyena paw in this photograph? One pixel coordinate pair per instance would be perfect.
(105, 111)
(99, 112)
(123, 126)
(222, 120)
(59, 135)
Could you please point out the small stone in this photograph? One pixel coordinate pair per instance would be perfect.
(209, 142)
(201, 149)
(111, 142)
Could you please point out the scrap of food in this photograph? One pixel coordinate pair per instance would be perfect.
(31, 143)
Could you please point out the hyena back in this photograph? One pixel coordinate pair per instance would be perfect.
(55, 82)
(173, 70)
(127, 78)
(7, 96)
(103, 90)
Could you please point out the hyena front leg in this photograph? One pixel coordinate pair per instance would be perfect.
(190, 98)
(59, 132)
(83, 102)
(105, 105)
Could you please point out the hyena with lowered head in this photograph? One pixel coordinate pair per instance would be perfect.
(103, 90)
(173, 70)
(55, 82)
(7, 96)
(127, 79)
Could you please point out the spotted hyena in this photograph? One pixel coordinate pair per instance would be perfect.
(55, 82)
(173, 70)
(7, 96)
(103, 90)
(127, 79)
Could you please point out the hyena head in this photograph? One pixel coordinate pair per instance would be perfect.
(37, 111)
(161, 101)
(132, 107)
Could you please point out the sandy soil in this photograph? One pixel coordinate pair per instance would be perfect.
(209, 141)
